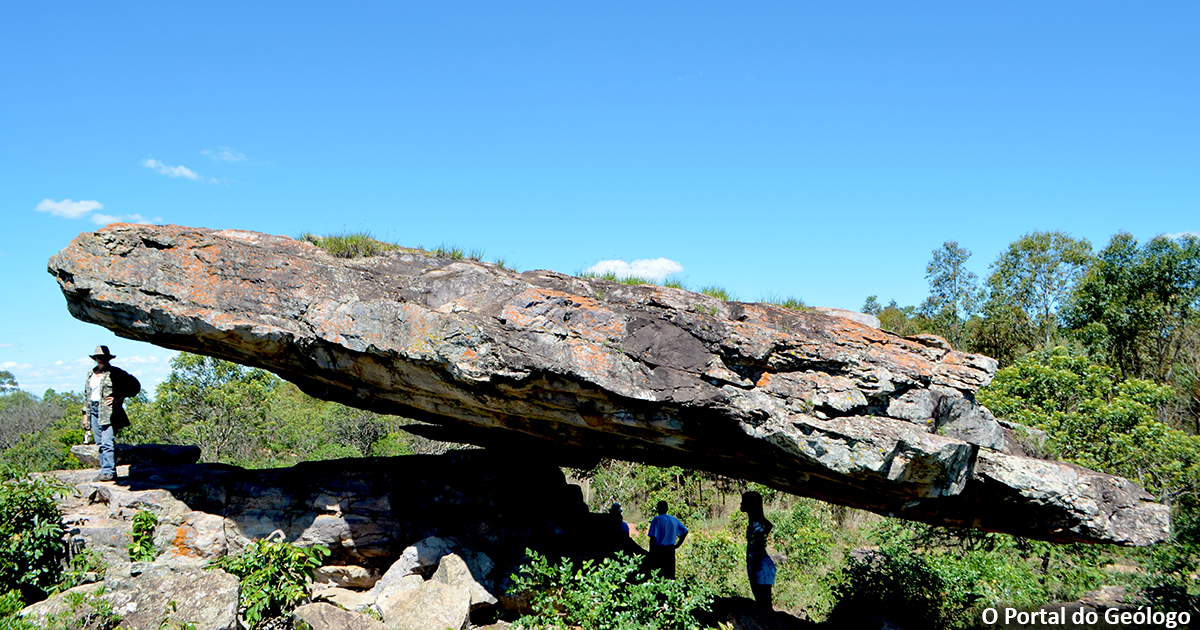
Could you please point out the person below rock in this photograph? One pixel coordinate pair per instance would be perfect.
(104, 393)
(615, 510)
(666, 535)
(759, 566)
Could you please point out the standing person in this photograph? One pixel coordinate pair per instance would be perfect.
(759, 566)
(666, 535)
(104, 393)
(615, 510)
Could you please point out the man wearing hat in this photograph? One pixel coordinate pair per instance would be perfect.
(104, 391)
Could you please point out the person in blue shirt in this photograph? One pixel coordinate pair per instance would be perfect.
(759, 566)
(666, 535)
(615, 510)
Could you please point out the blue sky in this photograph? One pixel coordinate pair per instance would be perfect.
(820, 150)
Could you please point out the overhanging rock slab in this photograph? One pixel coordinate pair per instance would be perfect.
(548, 364)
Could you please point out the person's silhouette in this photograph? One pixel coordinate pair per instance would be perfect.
(759, 566)
(666, 535)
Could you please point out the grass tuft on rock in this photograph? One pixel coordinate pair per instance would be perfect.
(612, 277)
(349, 245)
(791, 301)
(718, 292)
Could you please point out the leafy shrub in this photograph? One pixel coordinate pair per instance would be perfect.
(609, 595)
(31, 532)
(274, 576)
(901, 586)
(84, 566)
(717, 560)
(802, 533)
(142, 547)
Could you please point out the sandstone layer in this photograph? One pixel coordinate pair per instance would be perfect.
(548, 365)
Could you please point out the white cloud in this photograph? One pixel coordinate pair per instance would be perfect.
(4, 344)
(67, 375)
(225, 154)
(656, 269)
(170, 171)
(68, 208)
(105, 219)
(1178, 235)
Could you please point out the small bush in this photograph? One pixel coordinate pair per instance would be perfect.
(142, 547)
(84, 567)
(31, 532)
(716, 559)
(274, 577)
(609, 595)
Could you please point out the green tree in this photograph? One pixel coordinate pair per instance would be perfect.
(1097, 420)
(954, 293)
(1136, 307)
(8, 382)
(1034, 276)
(217, 405)
(36, 434)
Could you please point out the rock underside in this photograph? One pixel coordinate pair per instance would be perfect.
(541, 364)
(422, 541)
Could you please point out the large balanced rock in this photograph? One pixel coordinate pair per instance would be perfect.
(810, 403)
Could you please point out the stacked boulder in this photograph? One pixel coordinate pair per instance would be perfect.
(409, 536)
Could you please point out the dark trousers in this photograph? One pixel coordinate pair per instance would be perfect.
(661, 558)
(103, 437)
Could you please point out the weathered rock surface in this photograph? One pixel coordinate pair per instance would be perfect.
(453, 571)
(806, 402)
(150, 454)
(322, 616)
(346, 576)
(403, 513)
(153, 599)
(431, 606)
(356, 601)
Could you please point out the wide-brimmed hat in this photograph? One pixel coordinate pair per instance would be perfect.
(102, 352)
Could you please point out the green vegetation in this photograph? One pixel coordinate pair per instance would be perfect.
(718, 292)
(352, 245)
(249, 417)
(85, 611)
(452, 252)
(792, 302)
(607, 595)
(36, 434)
(83, 567)
(142, 547)
(31, 532)
(612, 277)
(275, 577)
